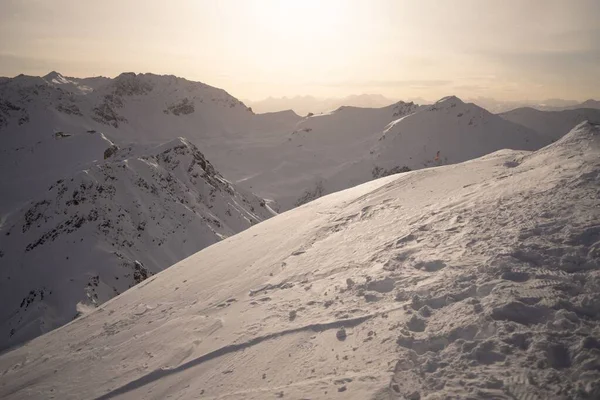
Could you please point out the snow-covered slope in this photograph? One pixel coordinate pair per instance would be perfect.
(142, 108)
(591, 103)
(74, 85)
(318, 145)
(446, 132)
(278, 156)
(476, 280)
(551, 124)
(98, 232)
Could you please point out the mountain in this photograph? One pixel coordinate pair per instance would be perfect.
(591, 103)
(83, 211)
(53, 131)
(296, 163)
(446, 132)
(474, 280)
(73, 85)
(140, 108)
(102, 230)
(501, 106)
(279, 156)
(450, 131)
(551, 124)
(304, 105)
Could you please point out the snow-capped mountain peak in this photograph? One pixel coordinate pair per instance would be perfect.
(449, 101)
(72, 85)
(56, 78)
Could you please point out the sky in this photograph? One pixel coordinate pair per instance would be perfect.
(505, 49)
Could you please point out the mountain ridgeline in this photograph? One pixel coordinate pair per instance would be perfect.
(108, 181)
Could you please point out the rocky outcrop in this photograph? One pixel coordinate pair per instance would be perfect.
(184, 107)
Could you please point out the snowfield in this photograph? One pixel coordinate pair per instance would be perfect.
(475, 280)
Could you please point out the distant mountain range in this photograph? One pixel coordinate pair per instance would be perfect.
(303, 105)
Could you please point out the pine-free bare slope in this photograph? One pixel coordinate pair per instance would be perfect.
(96, 233)
(474, 280)
(551, 124)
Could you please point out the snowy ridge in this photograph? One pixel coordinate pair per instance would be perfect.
(474, 280)
(551, 124)
(97, 233)
(279, 156)
(68, 84)
(296, 164)
(304, 105)
(140, 108)
(446, 132)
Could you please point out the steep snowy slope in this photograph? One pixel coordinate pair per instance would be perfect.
(43, 136)
(74, 85)
(446, 132)
(319, 144)
(476, 280)
(142, 108)
(551, 124)
(98, 232)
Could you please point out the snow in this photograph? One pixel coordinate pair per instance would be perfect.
(93, 235)
(304, 105)
(446, 132)
(472, 280)
(552, 124)
(105, 181)
(279, 156)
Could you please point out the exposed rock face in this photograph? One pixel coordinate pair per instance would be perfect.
(379, 172)
(130, 84)
(184, 107)
(310, 195)
(106, 111)
(110, 151)
(70, 109)
(97, 233)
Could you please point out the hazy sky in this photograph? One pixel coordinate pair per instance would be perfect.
(507, 49)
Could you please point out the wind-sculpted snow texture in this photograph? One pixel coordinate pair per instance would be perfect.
(476, 280)
(96, 233)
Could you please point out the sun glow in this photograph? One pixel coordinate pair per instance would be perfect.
(302, 21)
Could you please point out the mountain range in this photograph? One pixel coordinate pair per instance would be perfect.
(108, 181)
(304, 105)
(472, 280)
